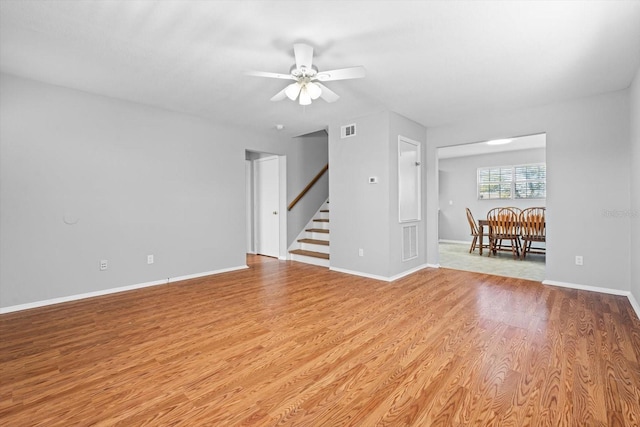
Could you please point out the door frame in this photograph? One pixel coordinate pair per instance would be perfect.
(282, 202)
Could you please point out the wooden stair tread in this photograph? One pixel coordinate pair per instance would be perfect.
(309, 253)
(314, 241)
(321, 220)
(317, 230)
(324, 210)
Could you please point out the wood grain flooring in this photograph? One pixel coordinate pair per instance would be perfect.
(285, 343)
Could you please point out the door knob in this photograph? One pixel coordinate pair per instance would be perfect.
(275, 212)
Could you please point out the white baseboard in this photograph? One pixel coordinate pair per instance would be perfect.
(585, 288)
(629, 295)
(36, 304)
(458, 242)
(408, 272)
(358, 273)
(206, 273)
(634, 304)
(377, 277)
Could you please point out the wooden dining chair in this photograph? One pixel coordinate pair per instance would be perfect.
(503, 226)
(533, 229)
(475, 231)
(514, 209)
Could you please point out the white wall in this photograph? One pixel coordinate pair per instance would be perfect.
(129, 180)
(359, 210)
(306, 156)
(363, 215)
(457, 182)
(304, 163)
(635, 187)
(588, 176)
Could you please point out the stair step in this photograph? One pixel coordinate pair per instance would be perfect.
(317, 230)
(309, 253)
(314, 241)
(324, 210)
(321, 220)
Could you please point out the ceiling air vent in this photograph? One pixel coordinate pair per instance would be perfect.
(348, 131)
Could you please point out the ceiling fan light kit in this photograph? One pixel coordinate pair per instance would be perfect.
(307, 87)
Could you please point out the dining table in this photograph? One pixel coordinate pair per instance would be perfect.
(482, 223)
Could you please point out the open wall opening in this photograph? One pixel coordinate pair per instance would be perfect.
(480, 177)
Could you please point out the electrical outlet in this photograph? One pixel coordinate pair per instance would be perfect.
(103, 264)
(149, 259)
(360, 252)
(579, 260)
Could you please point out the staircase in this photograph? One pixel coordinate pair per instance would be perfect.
(313, 243)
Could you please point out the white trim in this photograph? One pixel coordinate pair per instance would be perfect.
(634, 304)
(629, 295)
(359, 273)
(377, 277)
(418, 145)
(586, 288)
(283, 211)
(27, 306)
(206, 273)
(433, 265)
(408, 272)
(457, 242)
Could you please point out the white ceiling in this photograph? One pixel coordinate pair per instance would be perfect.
(527, 142)
(435, 62)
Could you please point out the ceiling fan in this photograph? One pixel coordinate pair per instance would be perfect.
(306, 86)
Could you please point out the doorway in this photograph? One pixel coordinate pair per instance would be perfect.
(266, 204)
(459, 187)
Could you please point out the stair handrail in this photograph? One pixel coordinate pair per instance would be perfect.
(308, 187)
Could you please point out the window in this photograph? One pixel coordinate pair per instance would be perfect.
(495, 183)
(513, 182)
(531, 181)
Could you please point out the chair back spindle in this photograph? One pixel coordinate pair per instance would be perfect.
(533, 229)
(503, 225)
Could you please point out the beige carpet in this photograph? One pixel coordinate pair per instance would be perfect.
(457, 256)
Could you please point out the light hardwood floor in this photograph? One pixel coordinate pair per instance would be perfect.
(285, 343)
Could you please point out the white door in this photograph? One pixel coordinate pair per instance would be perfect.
(267, 188)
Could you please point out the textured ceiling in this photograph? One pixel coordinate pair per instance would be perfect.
(434, 62)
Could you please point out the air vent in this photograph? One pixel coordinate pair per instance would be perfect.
(409, 242)
(348, 131)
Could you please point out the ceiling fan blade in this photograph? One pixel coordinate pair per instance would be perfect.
(304, 55)
(341, 74)
(280, 95)
(327, 94)
(270, 75)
